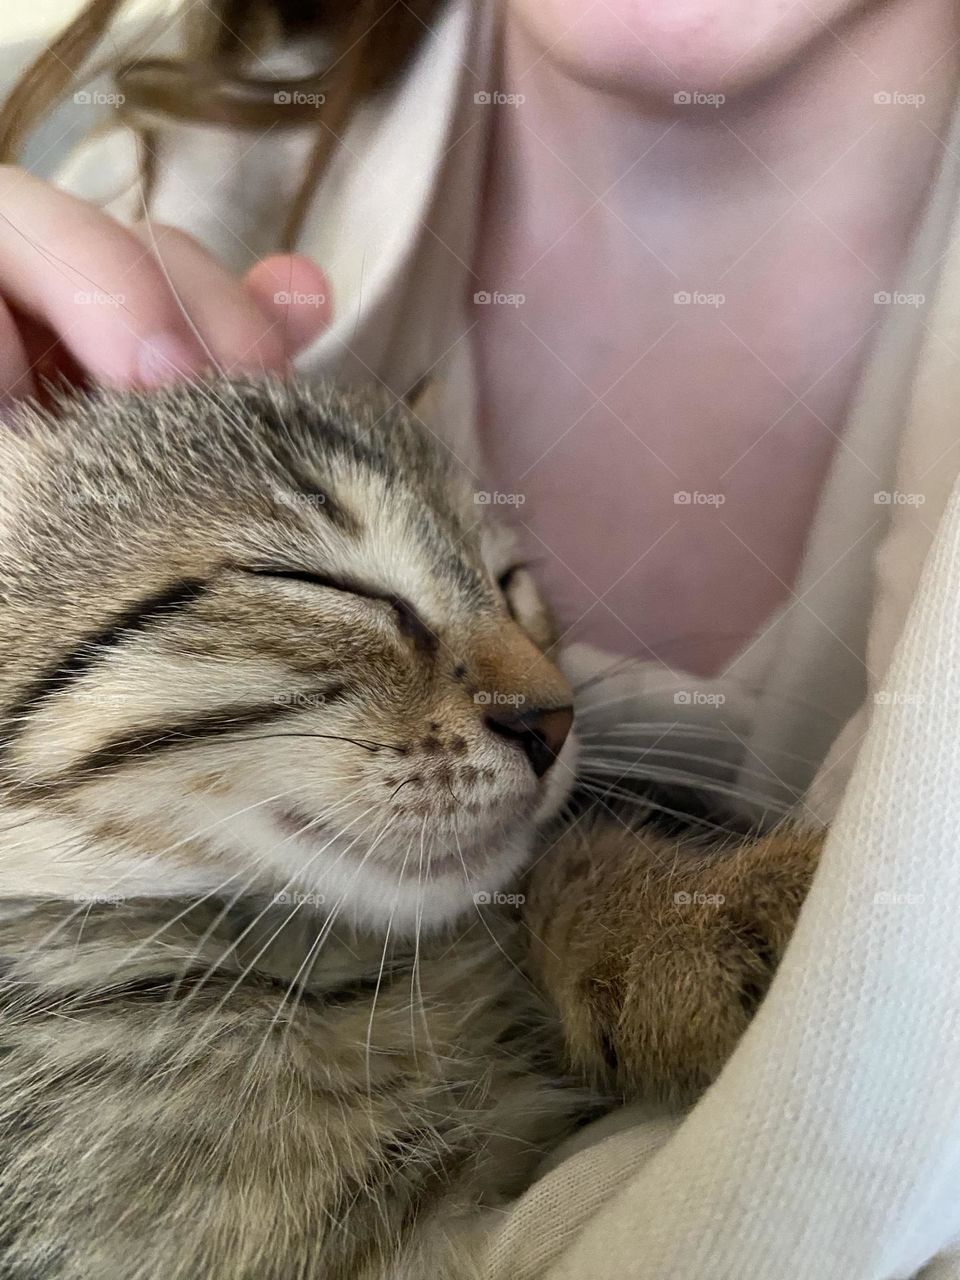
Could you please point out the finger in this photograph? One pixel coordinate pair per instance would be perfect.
(92, 283)
(50, 364)
(16, 377)
(295, 291)
(236, 332)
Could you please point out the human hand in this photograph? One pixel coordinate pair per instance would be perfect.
(86, 299)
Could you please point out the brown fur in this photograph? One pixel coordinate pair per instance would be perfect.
(656, 954)
(227, 1050)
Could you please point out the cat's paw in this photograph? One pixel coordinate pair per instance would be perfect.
(657, 956)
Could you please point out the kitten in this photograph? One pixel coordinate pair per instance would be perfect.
(276, 722)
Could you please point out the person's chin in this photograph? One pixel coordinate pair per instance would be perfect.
(658, 51)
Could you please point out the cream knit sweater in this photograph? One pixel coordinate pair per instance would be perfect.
(830, 1147)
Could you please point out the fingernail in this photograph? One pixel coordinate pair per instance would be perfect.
(165, 358)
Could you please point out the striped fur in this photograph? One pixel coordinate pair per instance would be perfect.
(251, 1025)
(249, 635)
(234, 610)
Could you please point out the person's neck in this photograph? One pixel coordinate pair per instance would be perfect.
(792, 205)
(566, 142)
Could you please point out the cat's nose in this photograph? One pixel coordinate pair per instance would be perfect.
(538, 731)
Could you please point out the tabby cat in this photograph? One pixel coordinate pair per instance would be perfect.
(278, 740)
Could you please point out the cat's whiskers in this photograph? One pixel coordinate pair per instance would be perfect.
(294, 984)
(44, 942)
(477, 909)
(322, 937)
(633, 731)
(633, 760)
(602, 793)
(285, 920)
(383, 960)
(321, 819)
(415, 975)
(671, 679)
(598, 769)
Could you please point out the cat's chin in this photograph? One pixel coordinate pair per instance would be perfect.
(413, 875)
(414, 892)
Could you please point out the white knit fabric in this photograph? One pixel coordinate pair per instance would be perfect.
(829, 1149)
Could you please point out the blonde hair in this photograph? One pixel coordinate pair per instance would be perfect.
(369, 42)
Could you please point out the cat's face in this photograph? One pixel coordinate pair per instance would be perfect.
(258, 639)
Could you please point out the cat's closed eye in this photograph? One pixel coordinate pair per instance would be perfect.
(407, 618)
(256, 721)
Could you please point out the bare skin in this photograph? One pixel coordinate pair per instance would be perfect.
(80, 294)
(794, 199)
